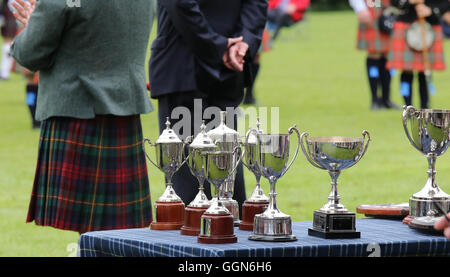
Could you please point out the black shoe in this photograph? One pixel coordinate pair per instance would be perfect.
(376, 106)
(389, 105)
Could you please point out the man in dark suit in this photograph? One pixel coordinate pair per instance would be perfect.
(203, 51)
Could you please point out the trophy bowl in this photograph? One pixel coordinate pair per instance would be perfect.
(273, 160)
(334, 154)
(428, 131)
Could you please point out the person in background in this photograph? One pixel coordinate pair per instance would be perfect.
(402, 57)
(91, 172)
(285, 13)
(31, 90)
(9, 31)
(376, 42)
(203, 51)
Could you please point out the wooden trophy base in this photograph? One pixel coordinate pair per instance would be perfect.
(388, 211)
(169, 216)
(217, 229)
(249, 210)
(192, 221)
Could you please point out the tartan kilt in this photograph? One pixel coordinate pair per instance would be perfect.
(91, 175)
(403, 57)
(370, 38)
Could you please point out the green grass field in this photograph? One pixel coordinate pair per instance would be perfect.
(315, 76)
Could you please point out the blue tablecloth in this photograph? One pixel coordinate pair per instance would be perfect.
(378, 237)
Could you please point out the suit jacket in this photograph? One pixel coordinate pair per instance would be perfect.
(193, 35)
(91, 58)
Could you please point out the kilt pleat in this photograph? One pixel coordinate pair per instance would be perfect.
(403, 57)
(91, 175)
(370, 38)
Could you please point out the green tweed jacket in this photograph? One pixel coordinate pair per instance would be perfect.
(90, 57)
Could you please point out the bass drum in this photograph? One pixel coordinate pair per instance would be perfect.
(414, 36)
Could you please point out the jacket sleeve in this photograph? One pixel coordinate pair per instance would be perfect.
(253, 22)
(187, 18)
(35, 47)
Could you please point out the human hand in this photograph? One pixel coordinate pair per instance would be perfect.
(234, 57)
(446, 17)
(290, 9)
(364, 17)
(423, 10)
(444, 224)
(23, 10)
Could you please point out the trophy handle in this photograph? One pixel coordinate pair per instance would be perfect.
(291, 130)
(364, 133)
(249, 132)
(241, 156)
(186, 142)
(408, 111)
(148, 157)
(303, 137)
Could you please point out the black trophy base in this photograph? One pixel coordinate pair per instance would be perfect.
(334, 226)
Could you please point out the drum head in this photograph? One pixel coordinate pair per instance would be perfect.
(414, 36)
(399, 210)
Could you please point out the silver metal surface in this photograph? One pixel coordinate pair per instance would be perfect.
(218, 165)
(273, 150)
(251, 161)
(202, 143)
(169, 158)
(334, 154)
(429, 132)
(228, 140)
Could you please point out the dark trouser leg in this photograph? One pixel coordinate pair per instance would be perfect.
(249, 98)
(280, 20)
(385, 78)
(373, 75)
(423, 90)
(32, 91)
(406, 80)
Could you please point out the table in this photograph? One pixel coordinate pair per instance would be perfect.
(379, 237)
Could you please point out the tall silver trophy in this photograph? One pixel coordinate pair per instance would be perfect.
(272, 224)
(428, 131)
(169, 208)
(258, 201)
(200, 144)
(227, 139)
(334, 154)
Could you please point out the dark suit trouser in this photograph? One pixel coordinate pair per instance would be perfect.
(213, 94)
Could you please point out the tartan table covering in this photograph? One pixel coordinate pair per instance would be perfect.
(378, 236)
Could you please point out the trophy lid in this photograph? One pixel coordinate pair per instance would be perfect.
(168, 135)
(202, 140)
(252, 139)
(223, 133)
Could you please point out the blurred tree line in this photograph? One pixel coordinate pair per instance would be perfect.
(328, 5)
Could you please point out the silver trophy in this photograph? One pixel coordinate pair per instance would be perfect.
(272, 224)
(429, 132)
(334, 154)
(258, 201)
(227, 139)
(169, 209)
(193, 212)
(217, 223)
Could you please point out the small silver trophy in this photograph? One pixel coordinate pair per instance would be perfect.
(227, 139)
(334, 154)
(169, 209)
(217, 223)
(273, 149)
(428, 131)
